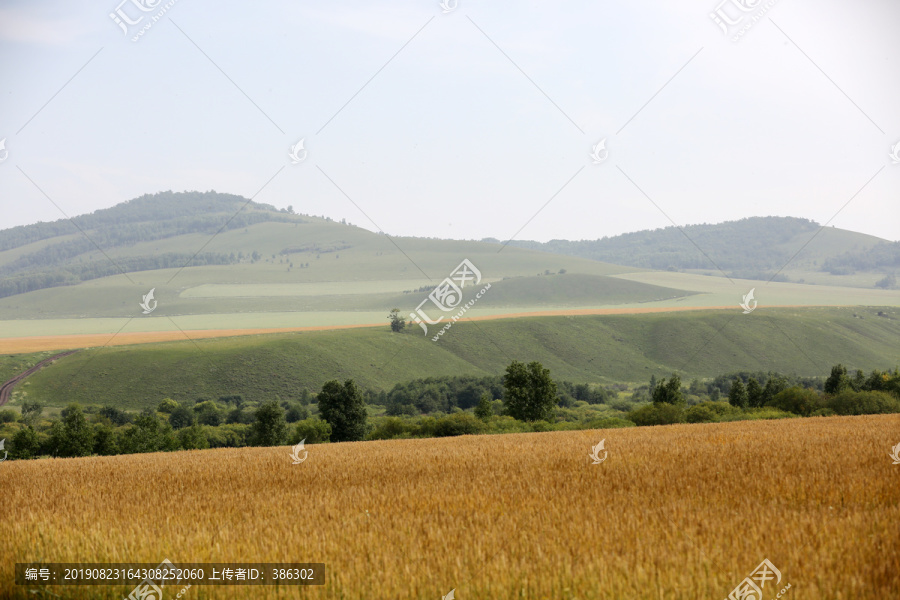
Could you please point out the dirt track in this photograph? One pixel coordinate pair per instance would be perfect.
(7, 388)
(59, 342)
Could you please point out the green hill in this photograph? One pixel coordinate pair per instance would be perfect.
(751, 248)
(579, 349)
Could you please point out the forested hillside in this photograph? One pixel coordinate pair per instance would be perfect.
(64, 256)
(752, 248)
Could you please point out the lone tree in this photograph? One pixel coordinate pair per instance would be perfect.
(838, 380)
(269, 428)
(343, 408)
(668, 392)
(397, 322)
(529, 392)
(737, 395)
(31, 412)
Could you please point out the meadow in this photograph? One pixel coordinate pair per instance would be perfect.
(675, 512)
(598, 349)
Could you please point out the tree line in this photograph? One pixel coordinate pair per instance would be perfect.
(524, 398)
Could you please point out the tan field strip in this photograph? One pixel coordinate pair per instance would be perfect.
(42, 343)
(682, 512)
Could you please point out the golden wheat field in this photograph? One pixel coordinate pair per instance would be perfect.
(678, 512)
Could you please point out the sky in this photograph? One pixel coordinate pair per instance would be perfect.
(467, 120)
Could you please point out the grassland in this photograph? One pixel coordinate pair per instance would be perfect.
(599, 349)
(678, 512)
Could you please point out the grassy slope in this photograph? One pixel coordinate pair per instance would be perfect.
(590, 348)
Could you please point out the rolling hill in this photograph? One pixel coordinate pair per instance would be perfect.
(786, 248)
(579, 349)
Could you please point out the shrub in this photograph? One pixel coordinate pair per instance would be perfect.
(167, 406)
(700, 414)
(390, 428)
(8, 416)
(608, 423)
(193, 438)
(796, 400)
(314, 431)
(823, 412)
(227, 436)
(864, 403)
(458, 424)
(660, 413)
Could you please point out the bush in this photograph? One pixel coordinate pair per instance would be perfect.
(167, 406)
(389, 429)
(864, 403)
(115, 415)
(314, 431)
(823, 412)
(8, 416)
(797, 400)
(700, 414)
(227, 436)
(608, 423)
(657, 414)
(458, 424)
(193, 438)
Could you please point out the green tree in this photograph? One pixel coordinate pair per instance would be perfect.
(737, 395)
(797, 400)
(105, 442)
(398, 322)
(838, 380)
(668, 392)
(167, 405)
(72, 436)
(485, 408)
(774, 385)
(148, 434)
(342, 406)
(31, 412)
(193, 438)
(755, 395)
(181, 417)
(529, 394)
(25, 444)
(269, 427)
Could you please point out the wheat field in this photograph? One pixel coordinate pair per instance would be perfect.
(678, 512)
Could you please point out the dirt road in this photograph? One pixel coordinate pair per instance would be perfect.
(7, 388)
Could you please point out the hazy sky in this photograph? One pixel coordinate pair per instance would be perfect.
(461, 124)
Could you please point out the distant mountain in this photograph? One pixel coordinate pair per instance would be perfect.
(59, 253)
(752, 248)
